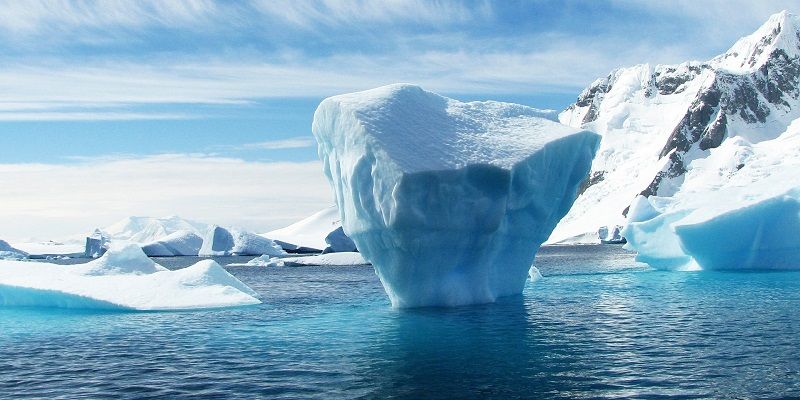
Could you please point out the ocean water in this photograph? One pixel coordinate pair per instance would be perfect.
(597, 325)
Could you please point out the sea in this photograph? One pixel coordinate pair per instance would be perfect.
(597, 325)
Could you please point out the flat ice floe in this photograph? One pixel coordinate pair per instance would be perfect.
(448, 200)
(342, 259)
(124, 278)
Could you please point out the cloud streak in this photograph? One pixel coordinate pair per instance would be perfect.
(56, 200)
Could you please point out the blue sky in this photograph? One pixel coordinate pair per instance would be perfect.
(90, 82)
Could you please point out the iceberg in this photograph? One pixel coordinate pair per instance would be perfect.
(179, 243)
(760, 234)
(338, 242)
(124, 278)
(96, 244)
(219, 241)
(316, 233)
(751, 220)
(448, 200)
(10, 253)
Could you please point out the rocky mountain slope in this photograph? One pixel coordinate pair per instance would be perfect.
(657, 122)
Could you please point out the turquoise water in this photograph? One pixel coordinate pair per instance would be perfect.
(597, 325)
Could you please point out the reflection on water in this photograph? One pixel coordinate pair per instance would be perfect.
(596, 325)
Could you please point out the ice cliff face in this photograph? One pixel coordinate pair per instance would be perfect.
(448, 200)
(658, 122)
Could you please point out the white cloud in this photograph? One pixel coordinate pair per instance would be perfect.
(313, 13)
(56, 200)
(88, 116)
(32, 17)
(290, 143)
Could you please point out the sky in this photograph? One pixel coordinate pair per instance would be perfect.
(203, 108)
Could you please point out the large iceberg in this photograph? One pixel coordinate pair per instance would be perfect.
(219, 241)
(749, 220)
(448, 200)
(124, 278)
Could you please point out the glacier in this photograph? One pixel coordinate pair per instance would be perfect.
(659, 123)
(219, 241)
(124, 279)
(448, 200)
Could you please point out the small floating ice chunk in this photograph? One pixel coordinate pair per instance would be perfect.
(534, 274)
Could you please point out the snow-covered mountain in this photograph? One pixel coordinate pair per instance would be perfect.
(660, 122)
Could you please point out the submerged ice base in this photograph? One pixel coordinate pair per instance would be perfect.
(448, 200)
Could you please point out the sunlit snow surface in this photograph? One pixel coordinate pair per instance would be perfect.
(448, 200)
(748, 220)
(124, 278)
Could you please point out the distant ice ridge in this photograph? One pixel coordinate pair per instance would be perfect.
(150, 229)
(124, 278)
(659, 122)
(448, 200)
(219, 241)
(749, 220)
(342, 259)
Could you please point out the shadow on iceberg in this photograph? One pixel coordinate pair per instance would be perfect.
(16, 296)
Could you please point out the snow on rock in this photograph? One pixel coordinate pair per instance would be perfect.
(124, 278)
(219, 241)
(10, 253)
(448, 200)
(179, 243)
(659, 121)
(749, 220)
(308, 234)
